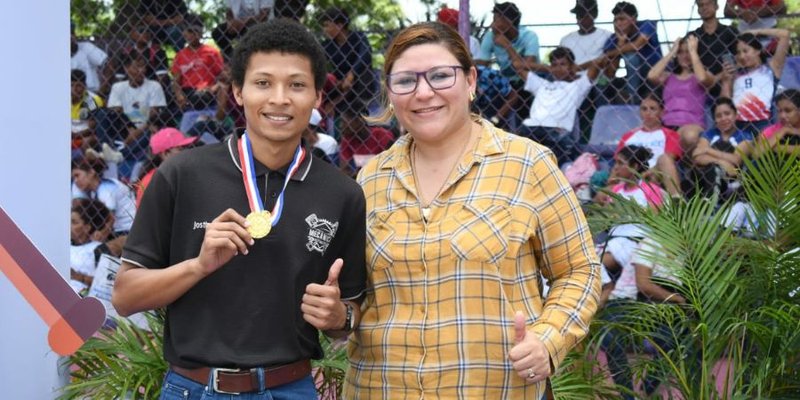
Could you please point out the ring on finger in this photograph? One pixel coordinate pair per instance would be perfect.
(531, 374)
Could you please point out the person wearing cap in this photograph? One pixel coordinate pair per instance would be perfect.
(506, 42)
(587, 45)
(163, 145)
(587, 42)
(195, 70)
(240, 15)
(449, 16)
(350, 61)
(635, 42)
(138, 99)
(253, 246)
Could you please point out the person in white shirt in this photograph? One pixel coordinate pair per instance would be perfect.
(140, 99)
(90, 59)
(587, 42)
(88, 219)
(587, 45)
(555, 105)
(88, 183)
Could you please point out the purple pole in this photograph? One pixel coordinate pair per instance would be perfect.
(463, 20)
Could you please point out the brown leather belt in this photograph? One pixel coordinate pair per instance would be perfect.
(226, 380)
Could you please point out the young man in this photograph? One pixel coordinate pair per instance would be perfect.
(246, 296)
(350, 59)
(556, 102)
(636, 42)
(195, 70)
(504, 43)
(714, 39)
(587, 42)
(139, 99)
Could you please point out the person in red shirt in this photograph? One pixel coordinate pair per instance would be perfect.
(360, 142)
(664, 144)
(195, 70)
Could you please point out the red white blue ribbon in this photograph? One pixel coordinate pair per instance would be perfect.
(249, 177)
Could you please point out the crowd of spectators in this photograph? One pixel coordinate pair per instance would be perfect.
(703, 106)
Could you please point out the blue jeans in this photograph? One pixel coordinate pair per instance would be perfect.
(178, 387)
(562, 143)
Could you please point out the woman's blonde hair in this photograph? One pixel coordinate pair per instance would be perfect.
(414, 35)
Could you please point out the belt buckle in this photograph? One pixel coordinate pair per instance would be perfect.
(215, 379)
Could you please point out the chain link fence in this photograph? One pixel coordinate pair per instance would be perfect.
(151, 78)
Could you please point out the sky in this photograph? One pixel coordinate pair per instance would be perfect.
(557, 12)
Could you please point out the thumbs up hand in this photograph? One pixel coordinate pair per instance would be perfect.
(529, 356)
(321, 305)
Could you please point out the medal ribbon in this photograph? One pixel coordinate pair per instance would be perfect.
(249, 177)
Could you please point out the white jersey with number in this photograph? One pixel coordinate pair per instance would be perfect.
(753, 92)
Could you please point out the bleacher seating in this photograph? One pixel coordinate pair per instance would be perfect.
(609, 124)
(790, 78)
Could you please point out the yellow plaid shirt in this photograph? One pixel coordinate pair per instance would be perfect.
(438, 319)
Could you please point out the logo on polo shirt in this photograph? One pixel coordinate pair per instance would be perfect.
(320, 233)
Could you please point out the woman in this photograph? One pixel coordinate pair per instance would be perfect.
(752, 86)
(87, 219)
(684, 89)
(88, 182)
(629, 165)
(664, 144)
(164, 144)
(719, 152)
(463, 220)
(785, 135)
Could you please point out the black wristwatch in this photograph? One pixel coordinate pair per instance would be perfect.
(348, 318)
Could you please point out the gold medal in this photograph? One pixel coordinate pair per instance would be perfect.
(260, 224)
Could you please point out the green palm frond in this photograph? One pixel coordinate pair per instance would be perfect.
(772, 186)
(743, 293)
(580, 378)
(123, 362)
(329, 371)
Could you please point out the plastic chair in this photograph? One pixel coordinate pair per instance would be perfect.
(609, 124)
(790, 77)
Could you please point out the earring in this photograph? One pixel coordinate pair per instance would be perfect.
(391, 107)
(471, 96)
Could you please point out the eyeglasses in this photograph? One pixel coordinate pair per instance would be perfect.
(438, 78)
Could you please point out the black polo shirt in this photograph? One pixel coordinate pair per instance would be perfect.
(247, 313)
(711, 46)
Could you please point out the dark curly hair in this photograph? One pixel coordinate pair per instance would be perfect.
(281, 35)
(637, 156)
(92, 212)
